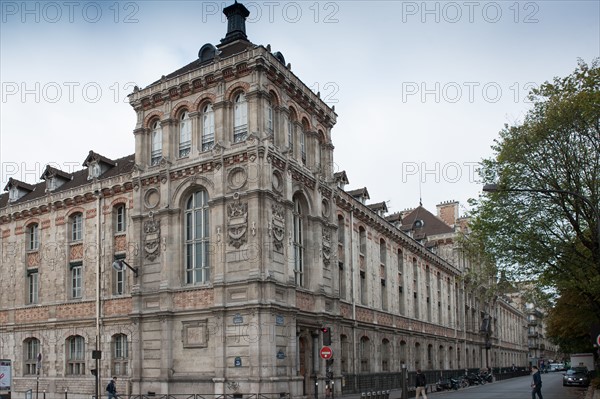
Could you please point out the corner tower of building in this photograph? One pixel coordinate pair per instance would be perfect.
(234, 212)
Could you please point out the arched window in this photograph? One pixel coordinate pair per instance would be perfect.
(120, 220)
(269, 116)
(120, 354)
(208, 127)
(31, 349)
(341, 229)
(75, 348)
(385, 355)
(365, 354)
(240, 118)
(303, 142)
(418, 355)
(33, 241)
(156, 143)
(197, 251)
(403, 354)
(298, 240)
(76, 226)
(291, 131)
(185, 134)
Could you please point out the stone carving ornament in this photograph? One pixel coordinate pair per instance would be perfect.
(326, 246)
(152, 239)
(237, 219)
(278, 220)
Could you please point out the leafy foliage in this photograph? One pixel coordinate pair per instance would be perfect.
(542, 223)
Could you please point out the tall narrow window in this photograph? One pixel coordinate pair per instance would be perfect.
(342, 280)
(298, 244)
(76, 227)
(119, 279)
(303, 145)
(32, 286)
(76, 279)
(33, 242)
(208, 128)
(31, 349)
(197, 254)
(185, 134)
(291, 135)
(75, 355)
(363, 288)
(382, 252)
(240, 118)
(120, 354)
(341, 229)
(269, 116)
(120, 222)
(156, 146)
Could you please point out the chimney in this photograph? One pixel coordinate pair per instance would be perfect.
(448, 212)
(236, 23)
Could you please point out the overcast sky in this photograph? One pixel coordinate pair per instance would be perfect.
(421, 89)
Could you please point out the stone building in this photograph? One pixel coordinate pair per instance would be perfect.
(210, 260)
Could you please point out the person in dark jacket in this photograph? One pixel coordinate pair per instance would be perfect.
(420, 385)
(111, 388)
(536, 384)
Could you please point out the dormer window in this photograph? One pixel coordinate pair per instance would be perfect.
(13, 194)
(94, 170)
(51, 184)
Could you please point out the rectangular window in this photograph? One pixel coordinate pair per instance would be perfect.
(76, 280)
(120, 222)
(32, 287)
(119, 282)
(77, 227)
(33, 243)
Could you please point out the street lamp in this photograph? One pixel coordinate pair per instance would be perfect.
(492, 188)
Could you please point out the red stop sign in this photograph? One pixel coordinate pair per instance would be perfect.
(326, 352)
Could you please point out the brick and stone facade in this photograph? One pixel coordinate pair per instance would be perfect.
(240, 245)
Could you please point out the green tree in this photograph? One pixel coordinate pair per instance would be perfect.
(548, 237)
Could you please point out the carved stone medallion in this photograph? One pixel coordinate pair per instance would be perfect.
(237, 221)
(278, 221)
(152, 239)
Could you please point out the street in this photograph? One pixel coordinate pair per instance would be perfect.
(516, 388)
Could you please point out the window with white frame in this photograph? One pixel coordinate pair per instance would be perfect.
(120, 355)
(197, 238)
(156, 143)
(33, 242)
(119, 281)
(185, 134)
(208, 127)
(240, 118)
(76, 225)
(298, 240)
(120, 218)
(75, 347)
(76, 280)
(31, 349)
(32, 286)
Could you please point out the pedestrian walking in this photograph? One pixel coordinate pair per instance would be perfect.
(421, 385)
(536, 384)
(111, 388)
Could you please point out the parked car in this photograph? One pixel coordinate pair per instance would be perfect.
(576, 376)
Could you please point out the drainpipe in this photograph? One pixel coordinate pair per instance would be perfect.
(352, 280)
(98, 283)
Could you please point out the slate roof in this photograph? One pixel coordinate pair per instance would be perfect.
(431, 226)
(79, 178)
